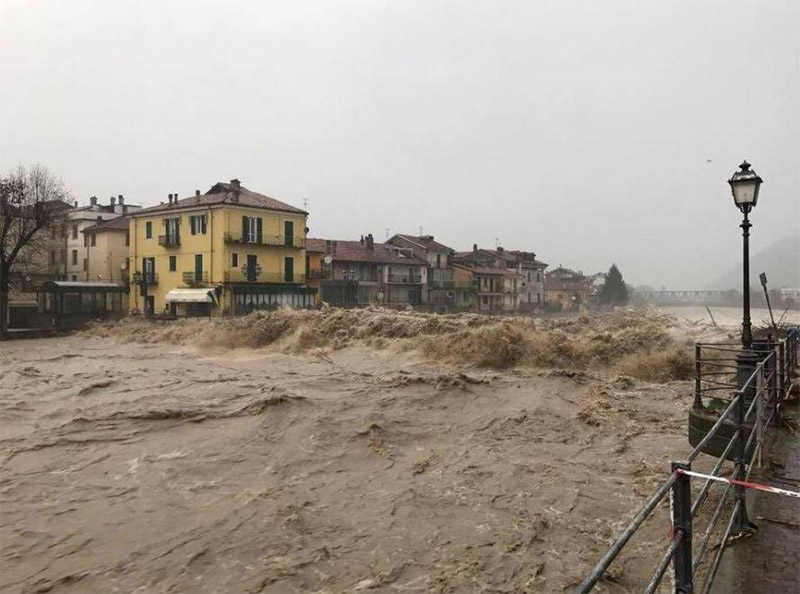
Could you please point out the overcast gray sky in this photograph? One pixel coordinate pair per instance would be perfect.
(589, 132)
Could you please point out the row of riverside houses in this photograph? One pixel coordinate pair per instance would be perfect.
(419, 271)
(231, 250)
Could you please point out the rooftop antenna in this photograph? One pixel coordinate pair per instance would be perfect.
(496, 241)
(387, 233)
(420, 230)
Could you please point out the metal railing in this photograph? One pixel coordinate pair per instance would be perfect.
(258, 276)
(169, 240)
(404, 278)
(279, 241)
(195, 278)
(758, 395)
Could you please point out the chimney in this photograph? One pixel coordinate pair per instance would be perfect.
(236, 185)
(499, 249)
(197, 192)
(370, 242)
(113, 201)
(93, 200)
(76, 204)
(362, 240)
(175, 198)
(474, 248)
(170, 199)
(120, 199)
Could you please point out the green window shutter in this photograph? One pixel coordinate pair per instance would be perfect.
(244, 229)
(258, 230)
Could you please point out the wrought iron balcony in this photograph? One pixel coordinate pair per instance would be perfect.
(409, 278)
(169, 240)
(195, 278)
(243, 276)
(289, 242)
(151, 278)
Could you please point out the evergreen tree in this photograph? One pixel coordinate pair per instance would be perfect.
(614, 291)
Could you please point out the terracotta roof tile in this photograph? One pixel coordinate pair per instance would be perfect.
(222, 193)
(115, 224)
(355, 251)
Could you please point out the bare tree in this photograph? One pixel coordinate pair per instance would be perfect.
(32, 200)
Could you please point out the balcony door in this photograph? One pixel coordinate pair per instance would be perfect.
(198, 267)
(288, 233)
(252, 263)
(288, 270)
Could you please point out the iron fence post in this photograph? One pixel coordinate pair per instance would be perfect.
(698, 399)
(682, 521)
(742, 524)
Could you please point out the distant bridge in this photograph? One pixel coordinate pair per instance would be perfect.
(681, 297)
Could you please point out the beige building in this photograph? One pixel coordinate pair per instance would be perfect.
(107, 251)
(79, 218)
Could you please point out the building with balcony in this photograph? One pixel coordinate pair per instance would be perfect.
(440, 292)
(228, 251)
(530, 274)
(356, 273)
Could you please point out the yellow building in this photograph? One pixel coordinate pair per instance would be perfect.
(228, 251)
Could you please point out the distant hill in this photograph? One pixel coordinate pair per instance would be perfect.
(781, 262)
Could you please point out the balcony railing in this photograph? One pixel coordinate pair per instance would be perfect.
(169, 240)
(151, 278)
(290, 242)
(242, 276)
(413, 278)
(195, 278)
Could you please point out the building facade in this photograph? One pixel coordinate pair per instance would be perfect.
(108, 251)
(228, 251)
(357, 273)
(80, 218)
(567, 289)
(440, 292)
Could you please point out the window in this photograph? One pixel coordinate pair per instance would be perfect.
(74, 257)
(148, 230)
(173, 263)
(85, 240)
(198, 224)
(127, 238)
(86, 263)
(251, 229)
(235, 260)
(172, 226)
(64, 257)
(74, 231)
(94, 240)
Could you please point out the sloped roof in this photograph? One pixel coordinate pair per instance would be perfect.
(355, 251)
(223, 193)
(427, 242)
(116, 224)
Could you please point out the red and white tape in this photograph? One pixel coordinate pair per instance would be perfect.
(746, 484)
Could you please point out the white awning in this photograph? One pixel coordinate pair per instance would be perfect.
(191, 296)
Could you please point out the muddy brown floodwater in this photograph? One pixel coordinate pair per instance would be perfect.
(138, 459)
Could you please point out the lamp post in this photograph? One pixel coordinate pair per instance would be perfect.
(745, 184)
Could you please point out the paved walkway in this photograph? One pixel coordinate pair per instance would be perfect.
(769, 561)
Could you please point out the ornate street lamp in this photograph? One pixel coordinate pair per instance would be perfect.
(745, 185)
